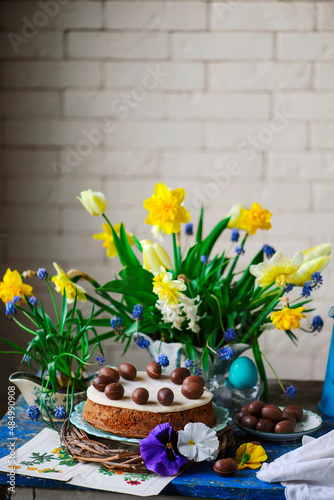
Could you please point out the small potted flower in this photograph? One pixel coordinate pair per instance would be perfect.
(60, 348)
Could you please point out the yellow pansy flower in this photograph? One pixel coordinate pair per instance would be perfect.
(108, 238)
(315, 260)
(154, 256)
(12, 285)
(287, 318)
(168, 290)
(62, 282)
(279, 269)
(250, 455)
(94, 201)
(165, 208)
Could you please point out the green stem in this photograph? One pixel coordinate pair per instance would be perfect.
(272, 369)
(107, 220)
(53, 299)
(259, 363)
(235, 260)
(177, 264)
(220, 312)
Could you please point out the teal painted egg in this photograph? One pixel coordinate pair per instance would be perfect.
(243, 373)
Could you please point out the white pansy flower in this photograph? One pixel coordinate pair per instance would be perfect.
(198, 442)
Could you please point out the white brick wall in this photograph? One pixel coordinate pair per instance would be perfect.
(232, 100)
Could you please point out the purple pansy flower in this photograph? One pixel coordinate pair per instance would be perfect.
(159, 451)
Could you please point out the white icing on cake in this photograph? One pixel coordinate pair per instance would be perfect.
(180, 403)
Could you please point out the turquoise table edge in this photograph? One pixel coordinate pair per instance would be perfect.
(198, 481)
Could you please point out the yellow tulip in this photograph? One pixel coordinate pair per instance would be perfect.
(154, 256)
(62, 282)
(94, 201)
(234, 215)
(165, 209)
(315, 260)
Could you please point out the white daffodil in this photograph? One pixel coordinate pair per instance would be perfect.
(198, 442)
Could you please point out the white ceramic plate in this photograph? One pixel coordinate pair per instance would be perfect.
(77, 419)
(308, 424)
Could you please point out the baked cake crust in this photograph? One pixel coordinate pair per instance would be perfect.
(135, 423)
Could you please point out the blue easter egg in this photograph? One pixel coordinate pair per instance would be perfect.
(243, 373)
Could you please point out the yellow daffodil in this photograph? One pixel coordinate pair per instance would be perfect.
(287, 318)
(168, 290)
(250, 456)
(154, 256)
(12, 285)
(108, 238)
(315, 260)
(165, 209)
(62, 282)
(250, 220)
(94, 201)
(279, 269)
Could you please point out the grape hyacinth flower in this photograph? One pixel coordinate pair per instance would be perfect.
(137, 312)
(230, 334)
(269, 251)
(101, 359)
(198, 371)
(317, 324)
(42, 273)
(239, 250)
(17, 299)
(290, 391)
(204, 259)
(189, 363)
(235, 235)
(189, 229)
(116, 324)
(10, 308)
(288, 287)
(60, 412)
(163, 360)
(159, 451)
(142, 343)
(33, 301)
(225, 353)
(316, 280)
(307, 289)
(33, 412)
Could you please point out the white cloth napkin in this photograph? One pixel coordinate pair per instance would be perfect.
(307, 472)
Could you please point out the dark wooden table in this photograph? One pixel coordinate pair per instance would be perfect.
(198, 481)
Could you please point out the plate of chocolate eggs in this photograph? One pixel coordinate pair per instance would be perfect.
(276, 423)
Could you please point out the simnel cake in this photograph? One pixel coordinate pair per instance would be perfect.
(130, 403)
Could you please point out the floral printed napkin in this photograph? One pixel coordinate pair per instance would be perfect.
(44, 457)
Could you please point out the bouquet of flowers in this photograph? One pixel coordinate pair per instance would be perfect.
(200, 299)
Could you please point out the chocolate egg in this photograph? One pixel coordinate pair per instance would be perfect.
(255, 408)
(272, 412)
(165, 396)
(179, 374)
(153, 369)
(127, 371)
(192, 390)
(285, 427)
(225, 467)
(101, 382)
(249, 421)
(110, 372)
(114, 391)
(140, 396)
(296, 410)
(265, 425)
(195, 379)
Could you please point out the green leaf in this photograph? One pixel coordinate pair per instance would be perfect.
(207, 244)
(136, 282)
(131, 258)
(200, 227)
